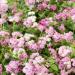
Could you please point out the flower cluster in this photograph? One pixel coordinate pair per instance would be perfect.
(37, 37)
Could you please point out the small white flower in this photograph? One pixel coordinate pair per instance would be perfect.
(32, 18)
(10, 18)
(35, 24)
(31, 13)
(28, 36)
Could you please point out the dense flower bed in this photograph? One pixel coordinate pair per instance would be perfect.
(37, 37)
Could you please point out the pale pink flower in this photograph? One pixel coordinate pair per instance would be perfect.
(38, 60)
(64, 51)
(34, 55)
(68, 36)
(28, 69)
(41, 44)
(65, 63)
(57, 37)
(16, 43)
(61, 16)
(4, 33)
(73, 18)
(42, 6)
(53, 7)
(2, 21)
(61, 27)
(50, 31)
(23, 56)
(30, 2)
(13, 67)
(63, 72)
(16, 34)
(3, 8)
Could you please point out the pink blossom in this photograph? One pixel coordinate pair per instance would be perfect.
(53, 7)
(61, 16)
(30, 2)
(65, 63)
(64, 51)
(34, 55)
(16, 43)
(50, 31)
(27, 22)
(41, 27)
(73, 18)
(13, 67)
(16, 34)
(57, 37)
(23, 56)
(41, 44)
(44, 22)
(3, 8)
(68, 36)
(42, 6)
(2, 21)
(28, 69)
(62, 27)
(4, 33)
(63, 72)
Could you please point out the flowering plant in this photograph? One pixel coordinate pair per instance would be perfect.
(37, 37)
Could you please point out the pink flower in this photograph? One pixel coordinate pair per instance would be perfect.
(57, 37)
(16, 17)
(62, 27)
(65, 63)
(3, 8)
(38, 60)
(4, 33)
(30, 2)
(40, 69)
(4, 42)
(64, 51)
(16, 43)
(44, 22)
(27, 22)
(13, 67)
(42, 6)
(16, 34)
(63, 72)
(28, 69)
(23, 56)
(73, 18)
(72, 11)
(53, 7)
(61, 16)
(33, 46)
(50, 31)
(41, 44)
(73, 0)
(68, 36)
(41, 27)
(2, 21)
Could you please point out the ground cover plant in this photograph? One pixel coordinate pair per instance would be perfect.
(37, 37)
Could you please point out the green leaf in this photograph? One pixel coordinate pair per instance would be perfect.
(54, 67)
(4, 73)
(51, 60)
